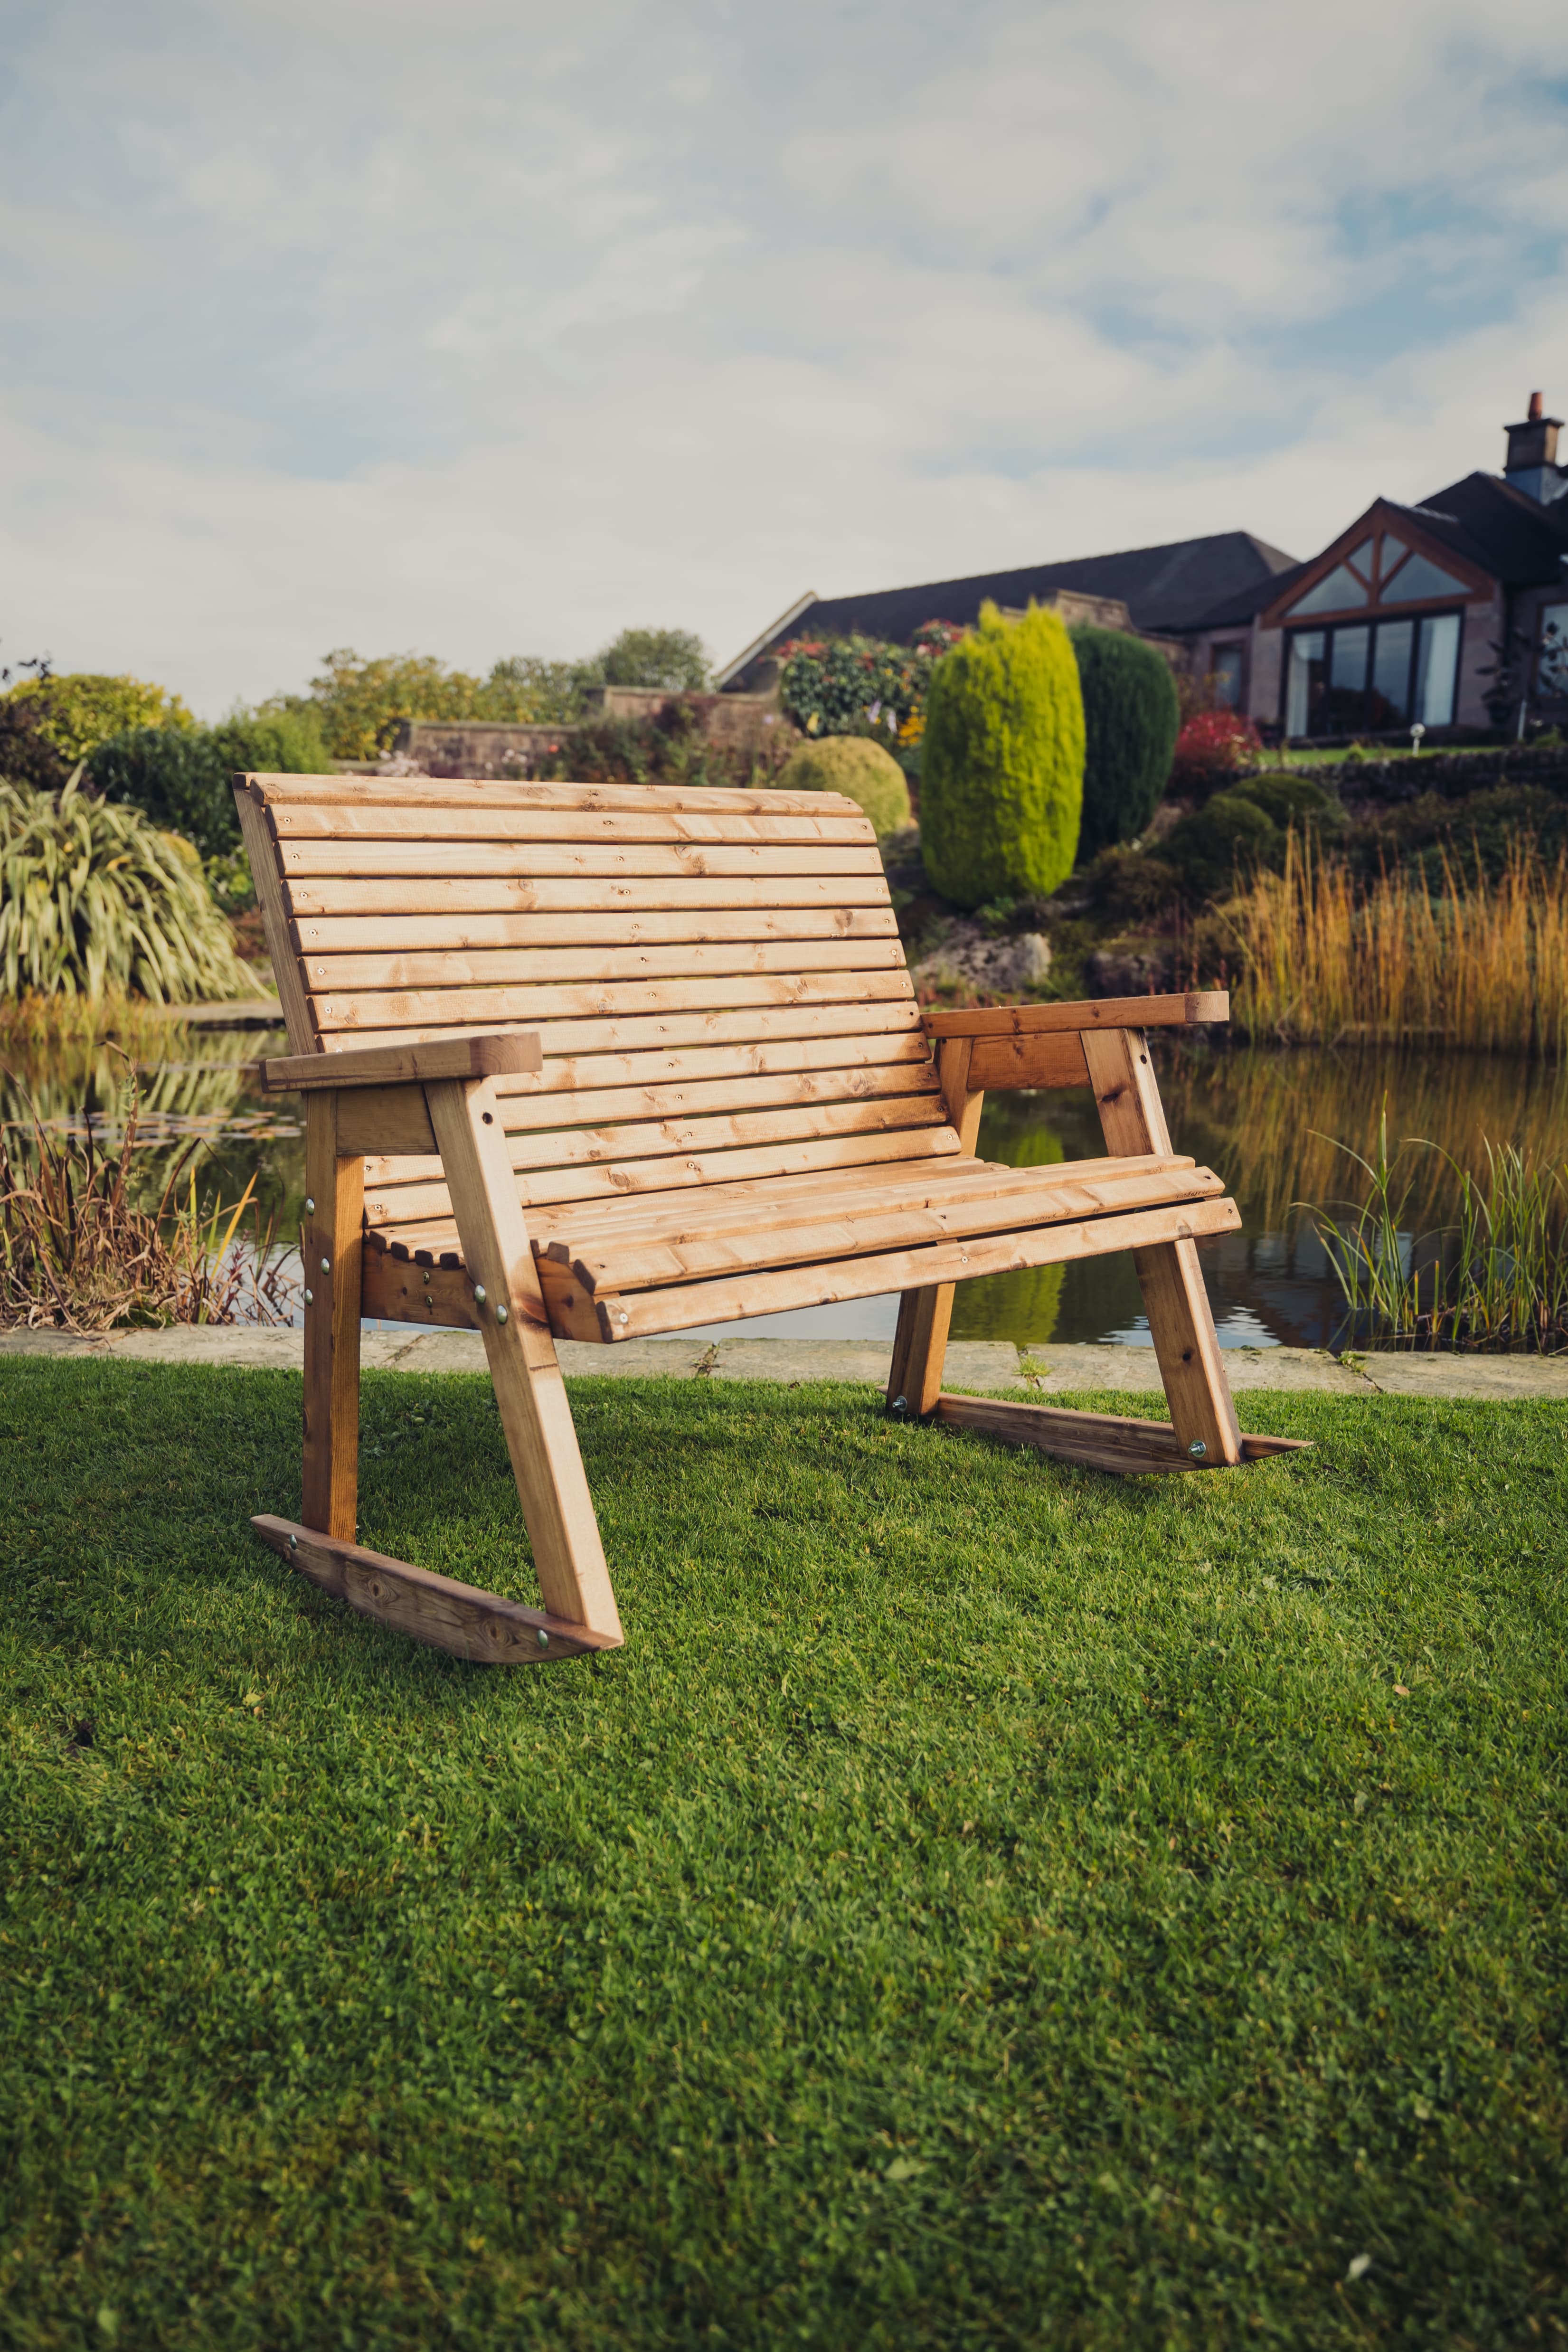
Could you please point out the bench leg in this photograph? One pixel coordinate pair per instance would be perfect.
(920, 1345)
(552, 1485)
(332, 1240)
(1181, 1324)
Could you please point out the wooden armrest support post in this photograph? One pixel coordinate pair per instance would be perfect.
(504, 1052)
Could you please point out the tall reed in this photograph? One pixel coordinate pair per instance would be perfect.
(1496, 1277)
(77, 1253)
(1324, 960)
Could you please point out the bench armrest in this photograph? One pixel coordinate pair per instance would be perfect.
(1099, 1013)
(503, 1053)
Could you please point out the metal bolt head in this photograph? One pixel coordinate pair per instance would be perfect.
(543, 1639)
(293, 1543)
(898, 1407)
(309, 1298)
(478, 1292)
(1197, 1449)
(326, 1265)
(309, 1208)
(501, 1314)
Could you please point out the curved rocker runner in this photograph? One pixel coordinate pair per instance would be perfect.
(593, 1063)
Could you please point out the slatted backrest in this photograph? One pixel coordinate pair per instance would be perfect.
(717, 977)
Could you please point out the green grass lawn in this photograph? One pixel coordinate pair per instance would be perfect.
(984, 1904)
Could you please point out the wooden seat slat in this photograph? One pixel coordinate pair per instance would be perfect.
(536, 952)
(434, 937)
(568, 1073)
(612, 1181)
(566, 1232)
(432, 1010)
(423, 858)
(732, 1298)
(648, 1262)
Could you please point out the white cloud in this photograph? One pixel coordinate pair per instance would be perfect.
(497, 328)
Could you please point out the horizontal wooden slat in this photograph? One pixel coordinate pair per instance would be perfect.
(668, 1030)
(708, 977)
(278, 793)
(603, 1108)
(450, 874)
(511, 892)
(732, 1297)
(436, 857)
(661, 946)
(1054, 1058)
(566, 1232)
(1101, 1012)
(340, 949)
(647, 1262)
(483, 820)
(492, 822)
(569, 1073)
(686, 1169)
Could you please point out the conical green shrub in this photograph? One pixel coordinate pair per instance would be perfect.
(92, 897)
(1131, 718)
(1002, 780)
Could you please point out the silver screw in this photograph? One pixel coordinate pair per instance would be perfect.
(293, 1543)
(309, 1298)
(478, 1292)
(899, 1405)
(309, 1208)
(1197, 1449)
(501, 1314)
(626, 1319)
(326, 1265)
(543, 1639)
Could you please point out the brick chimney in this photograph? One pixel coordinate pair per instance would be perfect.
(1530, 465)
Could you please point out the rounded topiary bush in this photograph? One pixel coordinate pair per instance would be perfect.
(1002, 780)
(1287, 798)
(1131, 718)
(1219, 842)
(854, 765)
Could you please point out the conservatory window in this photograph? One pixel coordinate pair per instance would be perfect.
(1376, 676)
(1552, 669)
(1338, 592)
(1419, 576)
(1436, 668)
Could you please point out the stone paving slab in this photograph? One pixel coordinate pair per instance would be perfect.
(972, 1364)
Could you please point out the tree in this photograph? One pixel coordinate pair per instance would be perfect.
(1001, 789)
(1130, 719)
(673, 659)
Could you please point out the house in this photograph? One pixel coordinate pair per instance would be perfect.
(1451, 614)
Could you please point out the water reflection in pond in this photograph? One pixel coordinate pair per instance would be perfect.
(1262, 1120)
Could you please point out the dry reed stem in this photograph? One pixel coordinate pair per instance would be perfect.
(1403, 963)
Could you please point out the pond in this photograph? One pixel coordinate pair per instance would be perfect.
(1266, 1121)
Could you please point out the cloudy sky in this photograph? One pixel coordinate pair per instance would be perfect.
(493, 327)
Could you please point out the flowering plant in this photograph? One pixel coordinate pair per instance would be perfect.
(1212, 746)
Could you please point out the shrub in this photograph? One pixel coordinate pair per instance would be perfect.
(844, 686)
(1001, 789)
(1220, 843)
(181, 777)
(1128, 885)
(1214, 747)
(1288, 798)
(93, 896)
(854, 765)
(48, 724)
(1132, 719)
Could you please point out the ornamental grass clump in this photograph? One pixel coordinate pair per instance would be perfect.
(1001, 784)
(94, 898)
(77, 1254)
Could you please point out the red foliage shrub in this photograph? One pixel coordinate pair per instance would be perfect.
(1212, 746)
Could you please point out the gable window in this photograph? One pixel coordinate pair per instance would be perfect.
(1372, 675)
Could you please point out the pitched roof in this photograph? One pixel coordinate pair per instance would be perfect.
(1168, 587)
(1507, 532)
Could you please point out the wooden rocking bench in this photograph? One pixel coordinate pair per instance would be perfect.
(593, 1063)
